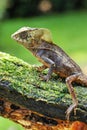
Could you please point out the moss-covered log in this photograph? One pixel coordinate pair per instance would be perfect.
(21, 86)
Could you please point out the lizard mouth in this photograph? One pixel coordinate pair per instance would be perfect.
(14, 36)
(18, 39)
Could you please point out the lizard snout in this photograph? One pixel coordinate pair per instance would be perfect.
(13, 36)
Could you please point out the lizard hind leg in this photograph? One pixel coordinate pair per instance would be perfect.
(73, 106)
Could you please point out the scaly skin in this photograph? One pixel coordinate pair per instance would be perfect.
(39, 42)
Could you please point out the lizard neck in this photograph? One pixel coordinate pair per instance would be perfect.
(34, 46)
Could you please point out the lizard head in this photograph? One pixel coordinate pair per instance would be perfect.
(28, 35)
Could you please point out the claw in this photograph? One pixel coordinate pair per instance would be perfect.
(45, 78)
(70, 109)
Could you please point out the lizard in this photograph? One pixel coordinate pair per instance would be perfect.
(39, 42)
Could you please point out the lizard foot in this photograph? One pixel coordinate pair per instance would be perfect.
(70, 109)
(45, 78)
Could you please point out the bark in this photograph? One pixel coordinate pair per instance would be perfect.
(33, 103)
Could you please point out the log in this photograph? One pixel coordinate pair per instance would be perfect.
(33, 103)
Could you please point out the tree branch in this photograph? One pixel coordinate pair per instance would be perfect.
(33, 103)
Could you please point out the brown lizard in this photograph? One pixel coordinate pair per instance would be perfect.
(39, 42)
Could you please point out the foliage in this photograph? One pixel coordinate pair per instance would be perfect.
(22, 8)
(6, 124)
(3, 5)
(62, 5)
(85, 4)
(25, 8)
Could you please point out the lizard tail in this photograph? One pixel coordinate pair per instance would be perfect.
(82, 79)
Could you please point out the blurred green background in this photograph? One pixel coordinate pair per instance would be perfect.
(67, 20)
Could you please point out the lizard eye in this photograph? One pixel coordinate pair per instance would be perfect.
(23, 35)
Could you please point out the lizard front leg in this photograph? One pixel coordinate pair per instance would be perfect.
(51, 68)
(69, 81)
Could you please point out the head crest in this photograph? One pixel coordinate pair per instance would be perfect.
(46, 35)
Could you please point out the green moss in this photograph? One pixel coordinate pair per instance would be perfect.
(21, 84)
(25, 79)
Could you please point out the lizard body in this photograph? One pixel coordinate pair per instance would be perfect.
(39, 42)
